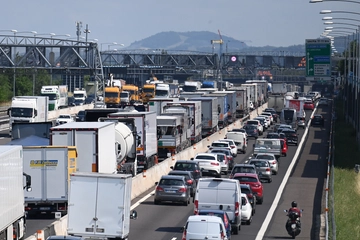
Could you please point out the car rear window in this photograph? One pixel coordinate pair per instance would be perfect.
(187, 177)
(245, 190)
(211, 228)
(220, 144)
(244, 170)
(184, 166)
(171, 182)
(252, 122)
(267, 157)
(246, 179)
(259, 163)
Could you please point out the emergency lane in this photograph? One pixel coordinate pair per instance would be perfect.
(165, 221)
(306, 184)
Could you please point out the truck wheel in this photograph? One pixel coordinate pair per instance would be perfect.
(236, 230)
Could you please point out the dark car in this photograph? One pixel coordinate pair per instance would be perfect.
(273, 113)
(273, 135)
(291, 136)
(188, 165)
(252, 131)
(80, 117)
(79, 102)
(242, 168)
(282, 136)
(245, 188)
(317, 120)
(172, 189)
(89, 100)
(71, 101)
(188, 178)
(221, 214)
(228, 154)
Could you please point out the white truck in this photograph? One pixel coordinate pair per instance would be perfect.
(95, 143)
(241, 101)
(80, 94)
(12, 212)
(28, 109)
(105, 213)
(194, 112)
(278, 88)
(191, 86)
(64, 118)
(58, 96)
(146, 136)
(252, 92)
(209, 115)
(157, 104)
(50, 168)
(277, 102)
(222, 108)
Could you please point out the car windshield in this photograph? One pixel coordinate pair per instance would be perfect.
(210, 158)
(220, 145)
(249, 127)
(64, 116)
(252, 122)
(246, 179)
(244, 170)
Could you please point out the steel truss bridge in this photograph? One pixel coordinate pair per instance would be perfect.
(71, 60)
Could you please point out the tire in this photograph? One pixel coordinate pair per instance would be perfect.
(270, 180)
(156, 202)
(260, 201)
(186, 203)
(248, 222)
(275, 173)
(236, 230)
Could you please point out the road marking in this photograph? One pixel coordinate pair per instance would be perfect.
(278, 195)
(141, 200)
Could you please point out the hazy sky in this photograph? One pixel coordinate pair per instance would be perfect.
(257, 22)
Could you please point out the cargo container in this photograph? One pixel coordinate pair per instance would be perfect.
(222, 108)
(231, 108)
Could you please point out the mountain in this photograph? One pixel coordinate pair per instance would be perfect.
(200, 41)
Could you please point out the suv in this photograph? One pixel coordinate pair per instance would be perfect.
(209, 163)
(273, 112)
(271, 160)
(317, 120)
(188, 165)
(243, 168)
(80, 117)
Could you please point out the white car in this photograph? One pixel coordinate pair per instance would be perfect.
(99, 105)
(268, 119)
(219, 144)
(209, 163)
(274, 165)
(270, 116)
(246, 209)
(64, 118)
(224, 163)
(263, 119)
(234, 148)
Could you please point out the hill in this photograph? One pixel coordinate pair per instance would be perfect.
(200, 41)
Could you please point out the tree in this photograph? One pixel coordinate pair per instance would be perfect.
(23, 86)
(5, 89)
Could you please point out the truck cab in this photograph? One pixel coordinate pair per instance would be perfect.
(80, 94)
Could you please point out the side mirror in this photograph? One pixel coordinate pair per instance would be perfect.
(156, 183)
(182, 229)
(9, 111)
(208, 146)
(35, 113)
(27, 182)
(172, 167)
(286, 211)
(191, 158)
(133, 215)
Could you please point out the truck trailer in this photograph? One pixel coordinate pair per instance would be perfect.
(12, 213)
(58, 96)
(105, 213)
(50, 168)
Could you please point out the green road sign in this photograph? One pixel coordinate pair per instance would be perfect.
(318, 59)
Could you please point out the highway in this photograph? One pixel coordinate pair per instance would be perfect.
(305, 185)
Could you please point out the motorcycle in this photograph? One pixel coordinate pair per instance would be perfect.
(293, 224)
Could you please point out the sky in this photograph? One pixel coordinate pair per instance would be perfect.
(256, 22)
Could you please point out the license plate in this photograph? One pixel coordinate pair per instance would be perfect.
(44, 208)
(205, 170)
(293, 225)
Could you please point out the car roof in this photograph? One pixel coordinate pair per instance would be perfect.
(227, 140)
(218, 141)
(265, 154)
(212, 211)
(246, 175)
(205, 154)
(178, 172)
(175, 177)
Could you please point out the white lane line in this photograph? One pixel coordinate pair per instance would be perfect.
(278, 195)
(141, 200)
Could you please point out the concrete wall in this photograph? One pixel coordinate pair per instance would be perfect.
(143, 182)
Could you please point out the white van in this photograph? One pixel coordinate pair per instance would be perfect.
(240, 140)
(220, 194)
(289, 116)
(204, 227)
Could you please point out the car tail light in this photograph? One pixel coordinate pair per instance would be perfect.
(250, 195)
(237, 209)
(273, 162)
(256, 185)
(268, 170)
(294, 135)
(182, 190)
(222, 235)
(196, 207)
(215, 163)
(159, 189)
(189, 181)
(232, 146)
(184, 235)
(27, 208)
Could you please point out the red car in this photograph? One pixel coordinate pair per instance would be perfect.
(284, 147)
(309, 105)
(252, 179)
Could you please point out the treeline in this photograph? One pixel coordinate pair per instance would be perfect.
(27, 82)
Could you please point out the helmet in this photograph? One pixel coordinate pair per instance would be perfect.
(294, 204)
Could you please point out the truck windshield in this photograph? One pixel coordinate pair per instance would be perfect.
(189, 88)
(161, 93)
(22, 112)
(124, 95)
(148, 90)
(111, 94)
(52, 96)
(78, 95)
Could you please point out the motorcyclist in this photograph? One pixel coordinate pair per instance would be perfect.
(294, 208)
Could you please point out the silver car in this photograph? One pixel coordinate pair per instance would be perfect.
(274, 165)
(172, 188)
(263, 168)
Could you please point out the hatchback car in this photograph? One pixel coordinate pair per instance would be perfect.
(291, 136)
(233, 146)
(190, 181)
(254, 182)
(309, 105)
(252, 131)
(221, 214)
(173, 189)
(317, 120)
(208, 163)
(271, 160)
(246, 209)
(273, 112)
(284, 147)
(323, 102)
(245, 188)
(229, 161)
(243, 168)
(188, 165)
(273, 135)
(263, 168)
(301, 122)
(80, 116)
